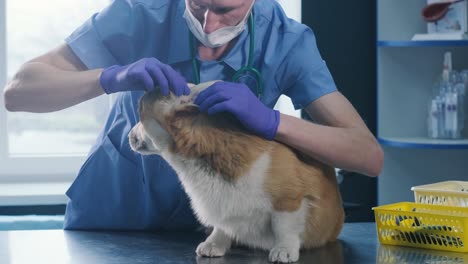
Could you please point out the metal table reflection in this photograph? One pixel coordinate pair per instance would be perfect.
(357, 244)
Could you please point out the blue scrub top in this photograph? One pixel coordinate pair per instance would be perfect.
(117, 188)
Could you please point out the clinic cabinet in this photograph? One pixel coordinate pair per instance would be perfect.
(406, 73)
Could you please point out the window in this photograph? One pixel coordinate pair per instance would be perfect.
(53, 143)
(293, 8)
(53, 146)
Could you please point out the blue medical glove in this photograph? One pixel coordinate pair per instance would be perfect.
(237, 99)
(145, 74)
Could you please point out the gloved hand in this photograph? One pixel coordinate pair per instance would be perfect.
(145, 74)
(237, 99)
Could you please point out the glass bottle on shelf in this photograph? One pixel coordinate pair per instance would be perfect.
(446, 113)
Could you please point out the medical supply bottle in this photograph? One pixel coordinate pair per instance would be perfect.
(446, 113)
(433, 118)
(463, 104)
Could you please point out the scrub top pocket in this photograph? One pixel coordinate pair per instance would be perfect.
(108, 192)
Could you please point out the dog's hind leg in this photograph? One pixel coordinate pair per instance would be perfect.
(287, 228)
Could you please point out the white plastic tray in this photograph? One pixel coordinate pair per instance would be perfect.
(452, 193)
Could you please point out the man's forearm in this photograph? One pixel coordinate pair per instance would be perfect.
(345, 148)
(39, 87)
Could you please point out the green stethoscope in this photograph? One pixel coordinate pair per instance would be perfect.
(248, 70)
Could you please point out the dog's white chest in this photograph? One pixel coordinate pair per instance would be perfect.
(242, 208)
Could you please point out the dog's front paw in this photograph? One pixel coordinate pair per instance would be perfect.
(283, 255)
(209, 249)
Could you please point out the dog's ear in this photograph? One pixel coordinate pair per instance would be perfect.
(196, 89)
(185, 125)
(180, 117)
(181, 120)
(226, 150)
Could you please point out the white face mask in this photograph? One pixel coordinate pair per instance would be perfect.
(217, 38)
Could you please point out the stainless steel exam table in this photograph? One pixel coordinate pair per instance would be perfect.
(357, 244)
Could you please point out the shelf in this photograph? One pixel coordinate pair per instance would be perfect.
(405, 80)
(425, 43)
(424, 143)
(406, 74)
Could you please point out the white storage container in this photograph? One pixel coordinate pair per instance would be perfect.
(451, 193)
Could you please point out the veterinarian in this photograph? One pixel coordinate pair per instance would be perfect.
(137, 45)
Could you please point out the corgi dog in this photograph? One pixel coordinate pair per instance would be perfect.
(256, 192)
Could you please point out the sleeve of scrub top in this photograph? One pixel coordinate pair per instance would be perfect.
(305, 76)
(106, 38)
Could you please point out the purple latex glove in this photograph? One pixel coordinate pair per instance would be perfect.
(237, 99)
(145, 74)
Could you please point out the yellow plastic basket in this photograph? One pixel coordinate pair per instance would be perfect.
(423, 226)
(452, 193)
